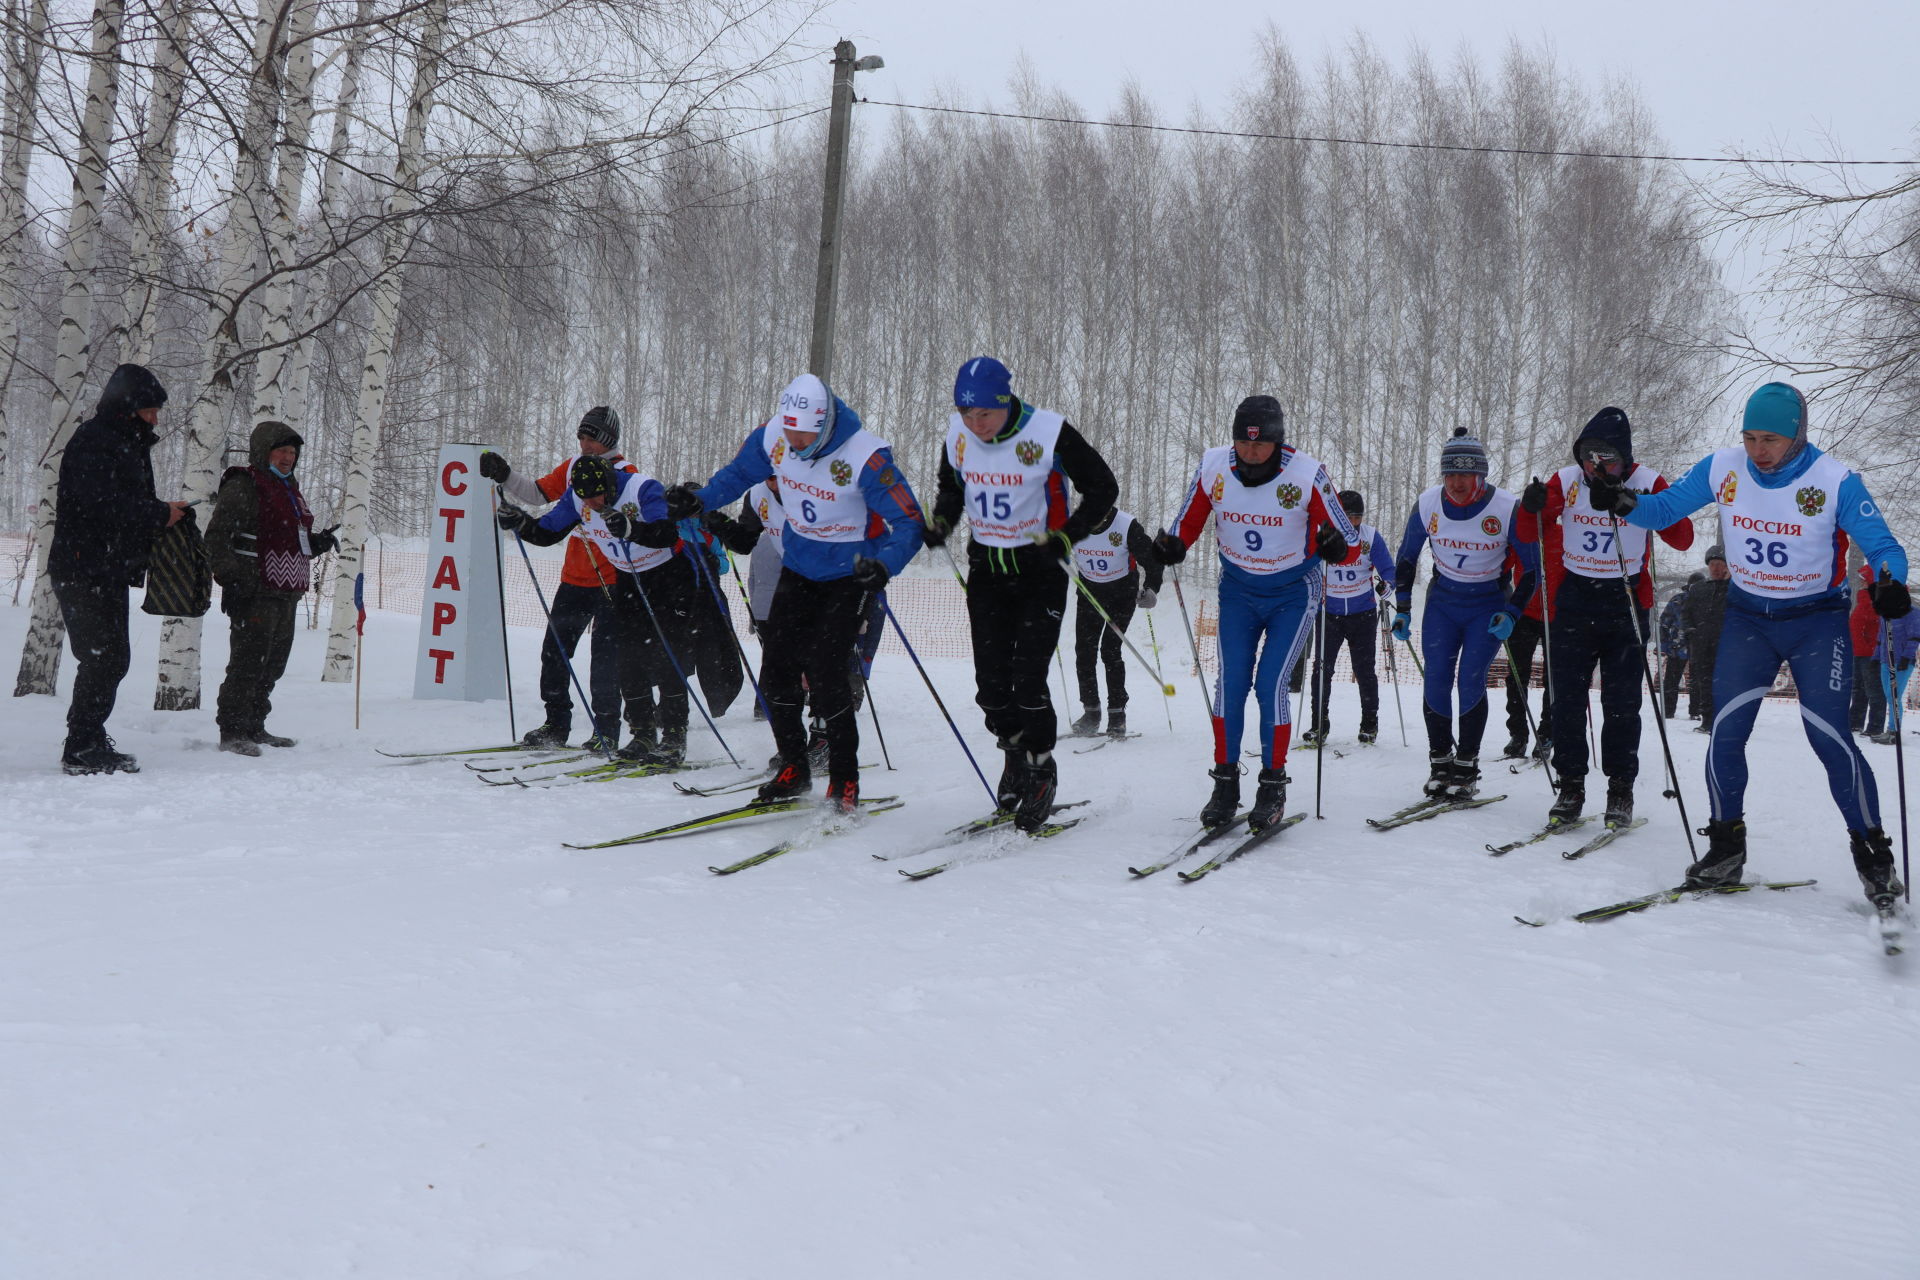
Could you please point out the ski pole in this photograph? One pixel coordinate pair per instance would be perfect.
(1640, 634)
(500, 585)
(1393, 674)
(700, 571)
(1896, 717)
(1199, 672)
(871, 705)
(552, 632)
(679, 671)
(1154, 641)
(1526, 709)
(901, 632)
(1086, 593)
(1319, 664)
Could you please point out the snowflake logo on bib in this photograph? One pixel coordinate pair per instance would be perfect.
(779, 451)
(1491, 526)
(1219, 489)
(1028, 451)
(842, 472)
(1113, 536)
(1811, 501)
(1289, 495)
(1728, 487)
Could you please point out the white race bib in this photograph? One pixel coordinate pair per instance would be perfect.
(1008, 498)
(1103, 557)
(1587, 543)
(1470, 550)
(1353, 581)
(822, 495)
(629, 557)
(1781, 543)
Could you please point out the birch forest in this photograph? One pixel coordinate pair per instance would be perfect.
(395, 225)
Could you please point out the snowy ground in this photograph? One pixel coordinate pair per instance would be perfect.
(326, 1014)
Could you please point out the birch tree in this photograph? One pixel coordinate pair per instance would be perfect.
(26, 40)
(153, 186)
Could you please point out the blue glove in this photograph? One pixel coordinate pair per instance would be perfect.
(1403, 627)
(1500, 625)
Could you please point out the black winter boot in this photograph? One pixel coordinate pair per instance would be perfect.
(1219, 810)
(1619, 802)
(1439, 775)
(240, 744)
(1087, 725)
(1873, 859)
(1726, 857)
(265, 739)
(98, 755)
(1269, 800)
(1572, 798)
(1038, 787)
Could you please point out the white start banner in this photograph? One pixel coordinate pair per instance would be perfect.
(461, 631)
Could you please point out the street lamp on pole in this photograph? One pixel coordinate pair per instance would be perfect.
(826, 285)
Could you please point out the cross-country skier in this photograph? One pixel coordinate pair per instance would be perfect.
(1586, 560)
(852, 523)
(1354, 585)
(1008, 465)
(583, 596)
(1117, 563)
(625, 515)
(1276, 519)
(1787, 511)
(1470, 527)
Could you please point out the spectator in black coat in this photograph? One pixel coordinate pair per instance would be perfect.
(106, 516)
(1703, 613)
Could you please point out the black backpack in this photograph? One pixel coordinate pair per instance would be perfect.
(179, 575)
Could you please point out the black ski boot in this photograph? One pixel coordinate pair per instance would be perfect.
(1314, 739)
(1570, 800)
(792, 780)
(1087, 725)
(1220, 808)
(550, 734)
(97, 755)
(1726, 856)
(1542, 750)
(1269, 800)
(1117, 723)
(1007, 794)
(1516, 748)
(1038, 787)
(1619, 802)
(843, 795)
(817, 747)
(1873, 859)
(1439, 775)
(1369, 731)
(1464, 779)
(673, 746)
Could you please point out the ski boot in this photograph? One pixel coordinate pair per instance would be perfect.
(817, 746)
(1726, 857)
(1007, 794)
(1226, 795)
(1314, 738)
(1542, 749)
(1369, 731)
(1464, 778)
(1619, 802)
(843, 795)
(792, 780)
(1516, 748)
(97, 756)
(265, 739)
(1117, 723)
(1087, 725)
(1439, 775)
(240, 744)
(550, 734)
(1570, 799)
(673, 746)
(1873, 859)
(1038, 787)
(1269, 800)
(601, 744)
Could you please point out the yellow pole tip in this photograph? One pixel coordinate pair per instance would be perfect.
(1170, 690)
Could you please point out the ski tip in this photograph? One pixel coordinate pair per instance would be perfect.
(1531, 924)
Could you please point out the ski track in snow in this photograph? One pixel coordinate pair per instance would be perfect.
(327, 1014)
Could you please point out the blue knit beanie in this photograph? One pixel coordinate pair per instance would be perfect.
(1777, 407)
(983, 383)
(1463, 455)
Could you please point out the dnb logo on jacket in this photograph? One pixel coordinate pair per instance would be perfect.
(842, 472)
(1491, 526)
(1219, 489)
(1027, 451)
(1289, 496)
(779, 451)
(1811, 501)
(1728, 487)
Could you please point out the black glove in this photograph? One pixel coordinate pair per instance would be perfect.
(1169, 548)
(1330, 545)
(1606, 493)
(869, 573)
(936, 532)
(234, 601)
(750, 521)
(683, 503)
(619, 523)
(1533, 498)
(1056, 544)
(1890, 598)
(1901, 664)
(513, 519)
(322, 542)
(494, 467)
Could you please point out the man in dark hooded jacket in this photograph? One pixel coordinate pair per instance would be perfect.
(261, 542)
(106, 516)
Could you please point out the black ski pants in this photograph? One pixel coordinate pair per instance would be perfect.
(809, 634)
(1593, 628)
(1360, 632)
(1672, 670)
(715, 656)
(1701, 660)
(259, 641)
(574, 607)
(96, 617)
(1094, 639)
(1868, 713)
(1016, 627)
(651, 636)
(1521, 645)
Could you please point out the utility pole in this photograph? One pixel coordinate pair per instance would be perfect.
(826, 285)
